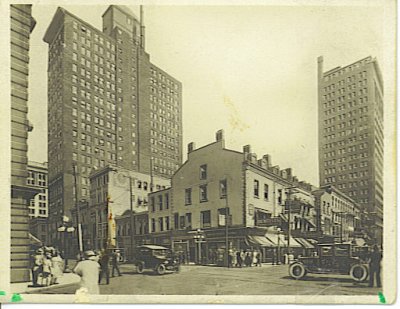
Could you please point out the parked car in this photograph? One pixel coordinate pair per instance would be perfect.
(157, 258)
(339, 258)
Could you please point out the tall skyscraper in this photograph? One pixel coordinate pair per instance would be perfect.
(107, 104)
(350, 113)
(22, 25)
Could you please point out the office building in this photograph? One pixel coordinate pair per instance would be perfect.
(350, 109)
(108, 105)
(38, 206)
(22, 24)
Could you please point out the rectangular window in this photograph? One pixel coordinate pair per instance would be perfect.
(166, 201)
(160, 202)
(222, 217)
(176, 221)
(153, 225)
(266, 193)
(153, 204)
(205, 219)
(256, 188)
(182, 222)
(161, 223)
(167, 225)
(203, 193)
(203, 171)
(189, 220)
(280, 196)
(188, 196)
(222, 188)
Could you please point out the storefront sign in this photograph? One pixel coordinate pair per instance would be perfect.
(276, 221)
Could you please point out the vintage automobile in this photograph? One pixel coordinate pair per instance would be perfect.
(157, 258)
(339, 258)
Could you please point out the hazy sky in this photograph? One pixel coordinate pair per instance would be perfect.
(250, 70)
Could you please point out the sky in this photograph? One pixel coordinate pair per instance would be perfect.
(249, 70)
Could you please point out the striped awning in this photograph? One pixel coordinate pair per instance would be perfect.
(262, 241)
(304, 243)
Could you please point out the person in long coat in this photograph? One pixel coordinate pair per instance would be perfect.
(375, 259)
(89, 270)
(57, 266)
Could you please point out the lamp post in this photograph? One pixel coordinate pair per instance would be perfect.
(278, 254)
(199, 239)
(65, 228)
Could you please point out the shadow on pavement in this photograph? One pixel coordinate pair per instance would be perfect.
(322, 279)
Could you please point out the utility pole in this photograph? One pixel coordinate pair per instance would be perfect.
(131, 214)
(226, 224)
(78, 213)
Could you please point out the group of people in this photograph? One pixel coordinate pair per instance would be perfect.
(95, 266)
(244, 259)
(47, 265)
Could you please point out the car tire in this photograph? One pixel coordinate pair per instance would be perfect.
(297, 271)
(140, 267)
(160, 269)
(359, 272)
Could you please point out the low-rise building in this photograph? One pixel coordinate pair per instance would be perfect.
(113, 191)
(338, 216)
(218, 186)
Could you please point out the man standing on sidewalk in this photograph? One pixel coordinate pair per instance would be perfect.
(375, 267)
(104, 268)
(114, 262)
(88, 270)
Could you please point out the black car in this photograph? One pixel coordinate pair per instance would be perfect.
(157, 258)
(330, 258)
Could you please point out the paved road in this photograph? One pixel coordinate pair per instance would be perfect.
(207, 280)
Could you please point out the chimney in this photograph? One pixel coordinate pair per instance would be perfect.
(219, 136)
(289, 174)
(267, 158)
(191, 146)
(263, 163)
(253, 158)
(246, 150)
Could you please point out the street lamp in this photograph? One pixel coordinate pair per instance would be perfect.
(199, 239)
(278, 254)
(66, 228)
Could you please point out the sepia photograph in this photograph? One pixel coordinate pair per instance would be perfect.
(199, 152)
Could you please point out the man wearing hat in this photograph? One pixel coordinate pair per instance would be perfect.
(88, 270)
(37, 266)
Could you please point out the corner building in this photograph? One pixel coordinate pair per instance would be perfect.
(107, 104)
(350, 112)
(22, 24)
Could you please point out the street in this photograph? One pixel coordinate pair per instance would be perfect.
(207, 280)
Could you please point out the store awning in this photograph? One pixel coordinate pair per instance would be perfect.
(310, 222)
(261, 241)
(304, 243)
(273, 237)
(34, 240)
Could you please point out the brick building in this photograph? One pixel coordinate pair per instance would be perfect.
(108, 104)
(350, 109)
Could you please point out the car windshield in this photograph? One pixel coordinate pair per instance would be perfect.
(326, 250)
(162, 253)
(342, 250)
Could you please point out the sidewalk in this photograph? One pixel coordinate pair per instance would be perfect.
(24, 287)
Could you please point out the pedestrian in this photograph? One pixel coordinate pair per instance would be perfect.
(258, 259)
(37, 266)
(57, 267)
(88, 270)
(46, 273)
(247, 260)
(104, 267)
(238, 259)
(114, 262)
(375, 259)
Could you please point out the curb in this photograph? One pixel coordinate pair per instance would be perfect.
(50, 287)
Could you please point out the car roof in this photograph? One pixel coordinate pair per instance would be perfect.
(154, 247)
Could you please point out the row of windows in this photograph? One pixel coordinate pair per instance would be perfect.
(347, 69)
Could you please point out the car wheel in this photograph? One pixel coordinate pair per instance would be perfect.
(140, 267)
(297, 271)
(359, 272)
(160, 269)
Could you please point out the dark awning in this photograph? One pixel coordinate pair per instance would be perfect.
(262, 241)
(304, 243)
